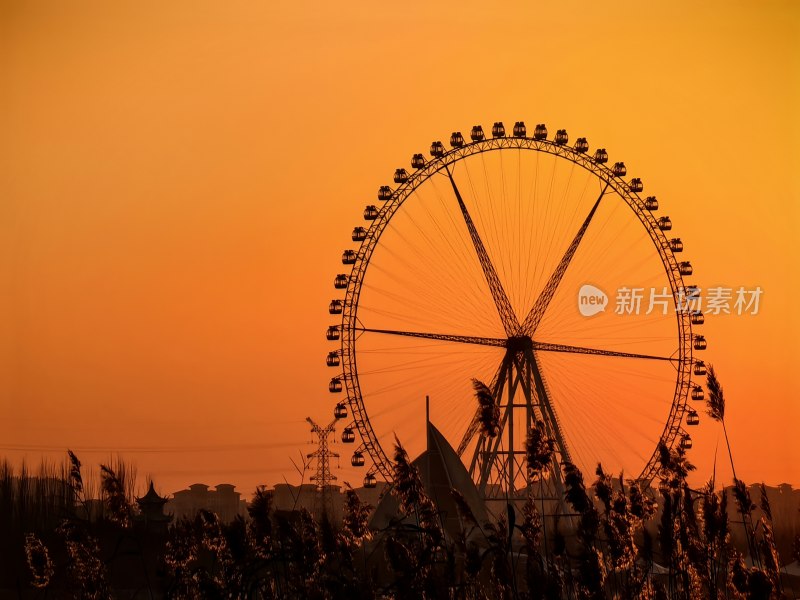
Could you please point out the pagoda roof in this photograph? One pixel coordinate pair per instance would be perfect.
(151, 497)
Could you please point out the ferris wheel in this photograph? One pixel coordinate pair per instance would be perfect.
(533, 266)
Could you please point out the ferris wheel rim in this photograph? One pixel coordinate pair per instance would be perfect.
(351, 327)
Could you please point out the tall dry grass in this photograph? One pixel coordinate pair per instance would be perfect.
(612, 537)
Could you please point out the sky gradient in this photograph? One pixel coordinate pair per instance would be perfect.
(177, 183)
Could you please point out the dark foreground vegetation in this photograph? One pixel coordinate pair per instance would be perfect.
(611, 539)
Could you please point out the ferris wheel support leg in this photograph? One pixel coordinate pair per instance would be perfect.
(551, 423)
(482, 459)
(497, 464)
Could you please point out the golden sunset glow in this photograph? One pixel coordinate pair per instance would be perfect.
(178, 182)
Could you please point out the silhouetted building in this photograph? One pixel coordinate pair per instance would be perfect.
(441, 471)
(294, 497)
(288, 498)
(151, 510)
(223, 501)
(784, 502)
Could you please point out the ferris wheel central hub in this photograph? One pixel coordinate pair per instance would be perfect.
(519, 343)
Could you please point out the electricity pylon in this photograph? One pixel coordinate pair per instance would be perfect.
(323, 503)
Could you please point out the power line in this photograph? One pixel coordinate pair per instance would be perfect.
(146, 449)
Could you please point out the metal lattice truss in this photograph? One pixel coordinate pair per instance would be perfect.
(323, 476)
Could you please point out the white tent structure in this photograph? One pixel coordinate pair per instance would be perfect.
(793, 569)
(441, 472)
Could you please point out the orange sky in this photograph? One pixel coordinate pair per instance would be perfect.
(178, 182)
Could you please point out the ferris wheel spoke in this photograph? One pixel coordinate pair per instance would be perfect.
(460, 339)
(531, 322)
(546, 347)
(506, 312)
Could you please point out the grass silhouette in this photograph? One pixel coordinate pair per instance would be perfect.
(65, 535)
